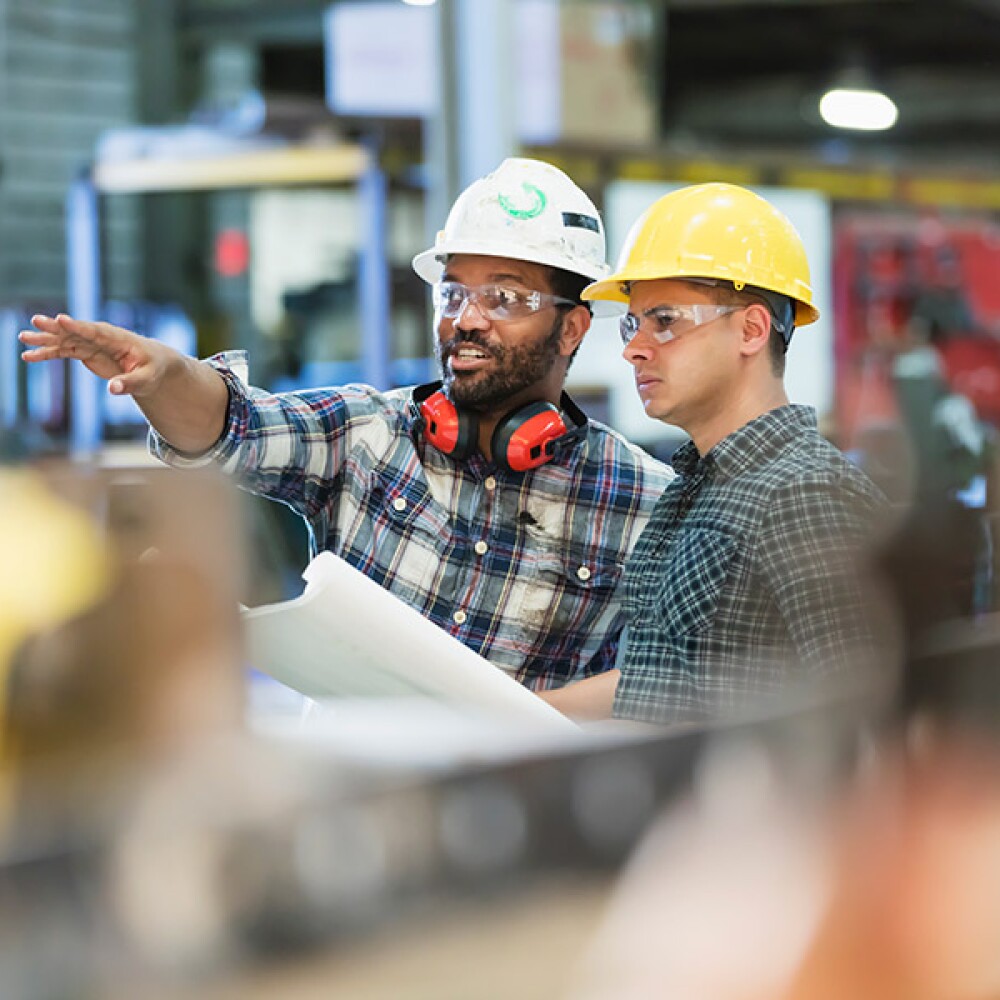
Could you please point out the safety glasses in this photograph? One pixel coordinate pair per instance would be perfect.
(667, 322)
(496, 302)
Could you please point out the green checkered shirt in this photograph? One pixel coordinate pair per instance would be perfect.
(746, 578)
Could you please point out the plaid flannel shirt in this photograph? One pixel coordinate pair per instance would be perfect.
(521, 567)
(748, 578)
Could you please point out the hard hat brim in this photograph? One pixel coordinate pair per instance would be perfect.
(429, 265)
(612, 290)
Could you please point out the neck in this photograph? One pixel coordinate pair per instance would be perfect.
(742, 410)
(548, 392)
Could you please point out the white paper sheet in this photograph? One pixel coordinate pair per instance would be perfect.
(347, 637)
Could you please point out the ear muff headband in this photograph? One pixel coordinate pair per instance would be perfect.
(525, 438)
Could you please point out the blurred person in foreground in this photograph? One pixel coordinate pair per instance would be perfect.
(488, 501)
(885, 889)
(749, 583)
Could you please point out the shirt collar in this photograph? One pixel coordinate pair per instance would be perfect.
(756, 442)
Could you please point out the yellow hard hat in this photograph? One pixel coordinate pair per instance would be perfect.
(717, 231)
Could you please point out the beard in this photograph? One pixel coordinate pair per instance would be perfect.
(515, 368)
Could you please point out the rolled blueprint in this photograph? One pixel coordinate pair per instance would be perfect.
(347, 637)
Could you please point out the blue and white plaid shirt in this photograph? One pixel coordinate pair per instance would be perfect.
(749, 581)
(521, 567)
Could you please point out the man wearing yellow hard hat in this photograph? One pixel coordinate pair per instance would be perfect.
(747, 578)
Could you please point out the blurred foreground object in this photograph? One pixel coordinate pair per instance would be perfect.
(57, 563)
(888, 891)
(121, 635)
(56, 568)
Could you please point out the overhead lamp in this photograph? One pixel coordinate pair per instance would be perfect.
(420, 3)
(853, 102)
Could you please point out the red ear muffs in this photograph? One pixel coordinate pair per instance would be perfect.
(450, 430)
(525, 438)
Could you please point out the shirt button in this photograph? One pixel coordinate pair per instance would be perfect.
(399, 503)
(481, 548)
(459, 617)
(583, 573)
(491, 483)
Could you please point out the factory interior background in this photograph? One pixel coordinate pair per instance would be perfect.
(258, 175)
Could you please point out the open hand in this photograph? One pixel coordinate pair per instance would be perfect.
(132, 364)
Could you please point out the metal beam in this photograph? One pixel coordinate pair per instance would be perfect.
(200, 21)
(84, 293)
(472, 128)
(250, 169)
(486, 129)
(713, 4)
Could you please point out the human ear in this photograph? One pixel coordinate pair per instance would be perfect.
(756, 329)
(576, 323)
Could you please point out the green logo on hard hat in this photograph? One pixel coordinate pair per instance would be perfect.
(537, 203)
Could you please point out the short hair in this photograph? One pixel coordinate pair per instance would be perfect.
(725, 294)
(568, 285)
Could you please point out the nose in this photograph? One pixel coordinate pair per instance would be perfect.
(471, 315)
(640, 348)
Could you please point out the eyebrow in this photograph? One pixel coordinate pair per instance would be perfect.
(661, 305)
(677, 305)
(497, 278)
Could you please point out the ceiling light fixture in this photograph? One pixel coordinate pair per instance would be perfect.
(853, 101)
(862, 110)
(420, 3)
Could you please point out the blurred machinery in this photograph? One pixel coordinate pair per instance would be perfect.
(901, 276)
(180, 164)
(918, 395)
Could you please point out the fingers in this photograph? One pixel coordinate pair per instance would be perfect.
(50, 324)
(43, 354)
(63, 325)
(63, 336)
(46, 346)
(49, 331)
(35, 339)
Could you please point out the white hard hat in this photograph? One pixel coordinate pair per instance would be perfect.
(525, 210)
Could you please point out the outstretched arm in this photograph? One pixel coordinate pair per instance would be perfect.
(184, 400)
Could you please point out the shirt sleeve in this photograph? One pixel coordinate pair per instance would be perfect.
(285, 446)
(819, 553)
(606, 657)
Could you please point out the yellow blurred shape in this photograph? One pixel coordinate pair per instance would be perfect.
(56, 562)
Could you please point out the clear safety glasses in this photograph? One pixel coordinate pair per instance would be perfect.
(497, 302)
(667, 322)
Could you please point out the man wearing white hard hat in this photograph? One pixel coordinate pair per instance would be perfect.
(487, 501)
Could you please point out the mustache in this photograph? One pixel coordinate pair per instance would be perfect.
(467, 338)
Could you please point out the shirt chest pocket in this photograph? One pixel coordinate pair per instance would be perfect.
(409, 508)
(553, 592)
(693, 578)
(399, 534)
